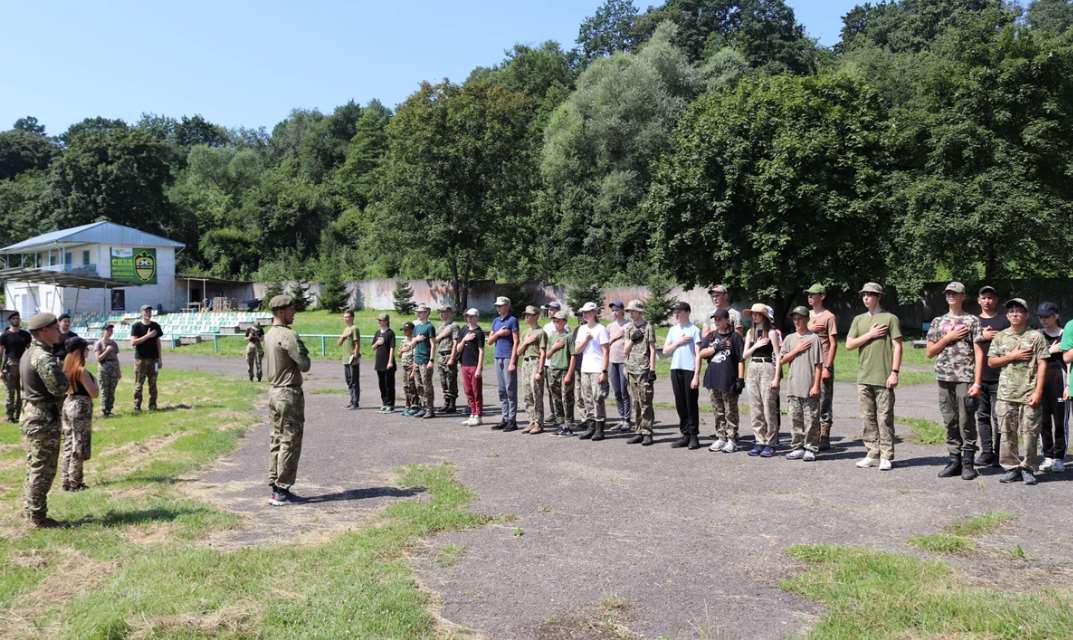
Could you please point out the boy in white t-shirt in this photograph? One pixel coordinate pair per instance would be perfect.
(592, 345)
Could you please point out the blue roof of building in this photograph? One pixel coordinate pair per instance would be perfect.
(103, 232)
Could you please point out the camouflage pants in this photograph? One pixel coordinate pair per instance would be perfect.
(145, 370)
(958, 410)
(560, 396)
(1019, 425)
(641, 407)
(254, 356)
(827, 395)
(286, 409)
(763, 402)
(409, 385)
(426, 393)
(805, 423)
(725, 410)
(41, 431)
(14, 390)
(877, 411)
(532, 391)
(448, 380)
(109, 377)
(593, 394)
(77, 436)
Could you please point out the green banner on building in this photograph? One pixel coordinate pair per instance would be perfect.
(136, 266)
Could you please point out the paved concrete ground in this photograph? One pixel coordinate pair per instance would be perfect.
(693, 542)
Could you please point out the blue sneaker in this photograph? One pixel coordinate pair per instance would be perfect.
(419, 413)
(755, 451)
(767, 452)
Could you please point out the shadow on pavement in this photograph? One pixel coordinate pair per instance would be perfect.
(363, 494)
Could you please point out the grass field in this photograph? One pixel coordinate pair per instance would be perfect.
(133, 560)
(916, 368)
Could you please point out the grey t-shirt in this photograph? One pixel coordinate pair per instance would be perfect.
(803, 367)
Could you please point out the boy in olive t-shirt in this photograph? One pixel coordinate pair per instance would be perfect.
(877, 337)
(1021, 355)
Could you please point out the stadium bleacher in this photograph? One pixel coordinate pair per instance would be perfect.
(179, 327)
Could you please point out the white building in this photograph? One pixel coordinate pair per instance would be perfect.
(98, 268)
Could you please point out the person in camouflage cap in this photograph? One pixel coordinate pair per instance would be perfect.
(640, 338)
(952, 343)
(286, 359)
(107, 351)
(77, 416)
(43, 390)
(1021, 354)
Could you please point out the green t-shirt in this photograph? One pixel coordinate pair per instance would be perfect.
(423, 349)
(875, 359)
(561, 358)
(534, 348)
(352, 336)
(1066, 345)
(1017, 380)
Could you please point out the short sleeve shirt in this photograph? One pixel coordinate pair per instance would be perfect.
(470, 350)
(1017, 380)
(875, 359)
(803, 367)
(592, 359)
(423, 349)
(447, 345)
(615, 329)
(722, 372)
(406, 358)
(998, 323)
(825, 325)
(15, 343)
(684, 357)
(561, 358)
(1066, 345)
(957, 362)
(352, 335)
(641, 336)
(383, 352)
(150, 348)
(504, 344)
(536, 346)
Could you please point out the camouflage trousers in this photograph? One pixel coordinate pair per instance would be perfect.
(145, 370)
(1019, 425)
(725, 410)
(77, 435)
(409, 385)
(827, 395)
(804, 423)
(560, 396)
(254, 356)
(641, 407)
(426, 392)
(958, 410)
(877, 411)
(286, 409)
(593, 394)
(109, 373)
(13, 382)
(532, 391)
(448, 380)
(41, 434)
(763, 402)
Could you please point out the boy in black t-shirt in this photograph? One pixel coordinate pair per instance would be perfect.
(145, 336)
(724, 379)
(384, 362)
(469, 352)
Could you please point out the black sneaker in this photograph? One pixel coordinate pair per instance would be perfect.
(1013, 475)
(511, 426)
(280, 498)
(1028, 477)
(499, 427)
(420, 413)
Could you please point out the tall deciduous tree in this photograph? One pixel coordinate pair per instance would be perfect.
(22, 150)
(611, 29)
(355, 179)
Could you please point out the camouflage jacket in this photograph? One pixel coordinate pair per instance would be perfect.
(43, 388)
(957, 362)
(1017, 381)
(639, 336)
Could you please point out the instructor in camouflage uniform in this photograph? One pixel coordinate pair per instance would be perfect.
(43, 390)
(107, 351)
(640, 338)
(445, 341)
(286, 358)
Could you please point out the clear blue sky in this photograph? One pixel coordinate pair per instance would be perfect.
(249, 63)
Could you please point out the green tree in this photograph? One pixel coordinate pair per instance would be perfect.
(659, 301)
(912, 25)
(582, 292)
(229, 252)
(611, 29)
(286, 213)
(1052, 17)
(598, 151)
(333, 294)
(299, 292)
(272, 290)
(29, 124)
(22, 150)
(24, 206)
(356, 178)
(769, 188)
(404, 297)
(454, 177)
(96, 125)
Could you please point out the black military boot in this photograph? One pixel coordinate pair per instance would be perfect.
(681, 442)
(967, 470)
(637, 439)
(599, 434)
(694, 443)
(511, 426)
(952, 468)
(647, 440)
(590, 430)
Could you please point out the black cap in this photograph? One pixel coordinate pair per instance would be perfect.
(987, 289)
(108, 326)
(63, 316)
(407, 325)
(1047, 309)
(14, 314)
(681, 305)
(74, 343)
(721, 313)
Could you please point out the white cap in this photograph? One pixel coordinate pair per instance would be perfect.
(472, 311)
(588, 306)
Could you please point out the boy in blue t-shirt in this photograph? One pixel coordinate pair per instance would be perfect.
(504, 336)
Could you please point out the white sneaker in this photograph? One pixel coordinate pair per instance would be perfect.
(730, 447)
(796, 454)
(809, 456)
(467, 422)
(1046, 464)
(718, 445)
(1058, 466)
(476, 421)
(866, 462)
(885, 465)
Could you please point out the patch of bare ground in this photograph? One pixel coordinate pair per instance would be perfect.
(74, 574)
(237, 619)
(606, 620)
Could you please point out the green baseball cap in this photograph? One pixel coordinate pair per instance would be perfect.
(872, 287)
(799, 311)
(816, 288)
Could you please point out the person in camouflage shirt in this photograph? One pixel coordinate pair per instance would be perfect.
(409, 377)
(952, 342)
(43, 389)
(640, 346)
(1021, 355)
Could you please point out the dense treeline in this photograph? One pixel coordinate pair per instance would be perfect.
(699, 140)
